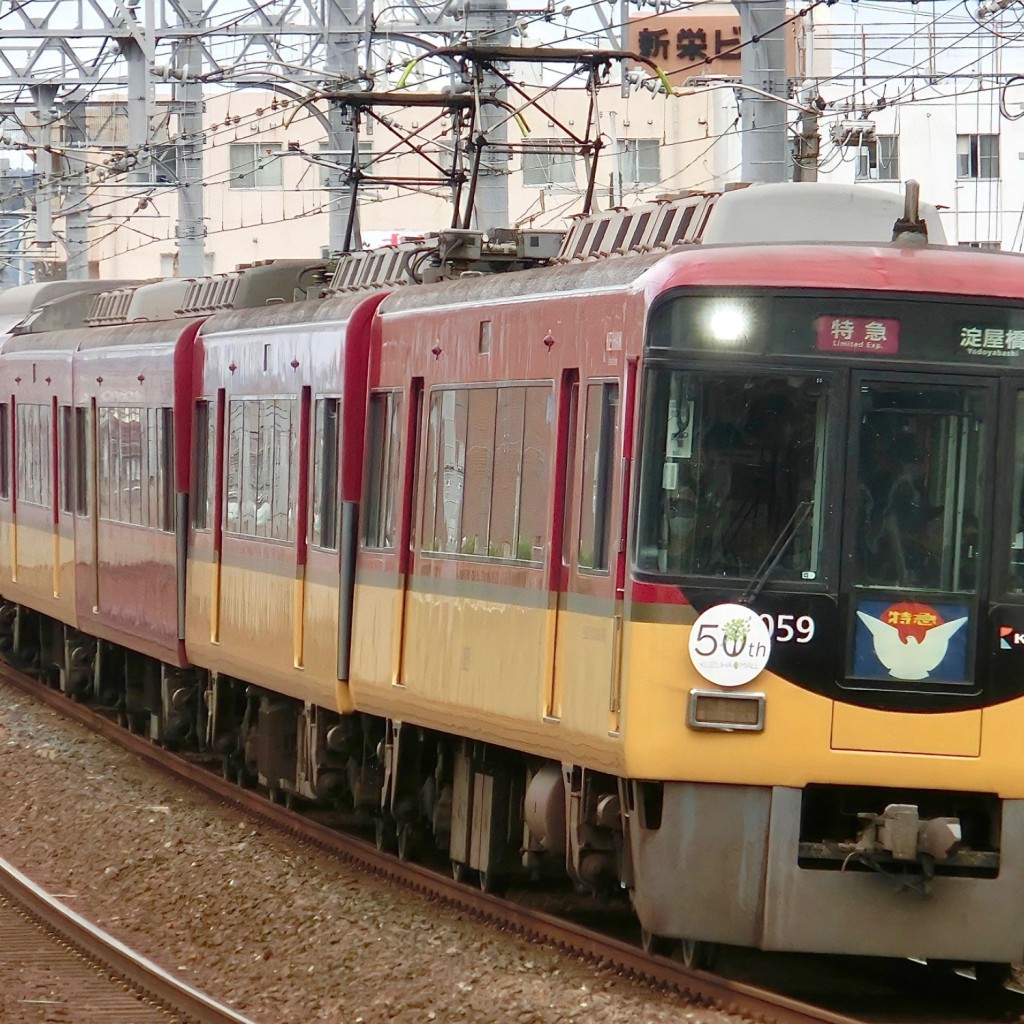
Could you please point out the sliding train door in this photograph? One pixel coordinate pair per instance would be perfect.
(584, 690)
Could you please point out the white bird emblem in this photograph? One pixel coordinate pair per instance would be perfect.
(910, 658)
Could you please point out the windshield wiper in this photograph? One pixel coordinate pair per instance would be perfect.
(776, 551)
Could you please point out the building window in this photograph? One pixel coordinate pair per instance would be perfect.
(977, 156)
(640, 161)
(256, 165)
(879, 159)
(163, 164)
(542, 166)
(335, 161)
(980, 245)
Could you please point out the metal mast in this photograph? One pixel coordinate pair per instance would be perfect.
(763, 68)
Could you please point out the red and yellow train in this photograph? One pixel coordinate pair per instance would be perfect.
(689, 564)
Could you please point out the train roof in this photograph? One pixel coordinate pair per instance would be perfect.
(329, 310)
(928, 270)
(53, 304)
(939, 270)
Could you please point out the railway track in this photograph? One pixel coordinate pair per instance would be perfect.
(747, 1000)
(73, 969)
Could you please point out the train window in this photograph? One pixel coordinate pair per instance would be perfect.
(476, 490)
(325, 474)
(5, 450)
(1017, 506)
(534, 489)
(446, 470)
(732, 469)
(508, 462)
(382, 467)
(34, 455)
(487, 472)
(66, 460)
(135, 466)
(165, 472)
(202, 461)
(261, 477)
(599, 445)
(919, 486)
(82, 461)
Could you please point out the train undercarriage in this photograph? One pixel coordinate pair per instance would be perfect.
(693, 859)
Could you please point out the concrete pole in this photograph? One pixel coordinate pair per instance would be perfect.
(763, 120)
(188, 92)
(76, 205)
(342, 63)
(487, 23)
(41, 134)
(138, 106)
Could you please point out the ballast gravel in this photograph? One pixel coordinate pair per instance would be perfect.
(283, 934)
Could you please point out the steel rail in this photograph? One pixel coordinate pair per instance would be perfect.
(699, 987)
(99, 947)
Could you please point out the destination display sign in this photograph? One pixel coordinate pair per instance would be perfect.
(856, 327)
(853, 334)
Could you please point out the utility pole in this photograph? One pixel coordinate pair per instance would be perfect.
(487, 23)
(76, 204)
(341, 63)
(188, 95)
(763, 120)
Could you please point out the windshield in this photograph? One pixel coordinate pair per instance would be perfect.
(728, 462)
(919, 486)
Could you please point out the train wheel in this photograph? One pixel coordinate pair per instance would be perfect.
(490, 881)
(385, 834)
(993, 975)
(409, 842)
(657, 945)
(458, 871)
(698, 955)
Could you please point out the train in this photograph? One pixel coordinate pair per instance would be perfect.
(680, 554)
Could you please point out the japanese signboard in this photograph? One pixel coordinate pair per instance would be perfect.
(685, 46)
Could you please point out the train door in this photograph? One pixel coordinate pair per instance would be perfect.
(406, 533)
(918, 512)
(217, 523)
(585, 656)
(302, 532)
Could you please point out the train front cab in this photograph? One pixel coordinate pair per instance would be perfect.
(819, 474)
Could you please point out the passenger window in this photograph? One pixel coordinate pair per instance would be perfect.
(261, 479)
(384, 432)
(488, 472)
(202, 462)
(5, 450)
(599, 446)
(325, 474)
(81, 461)
(67, 463)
